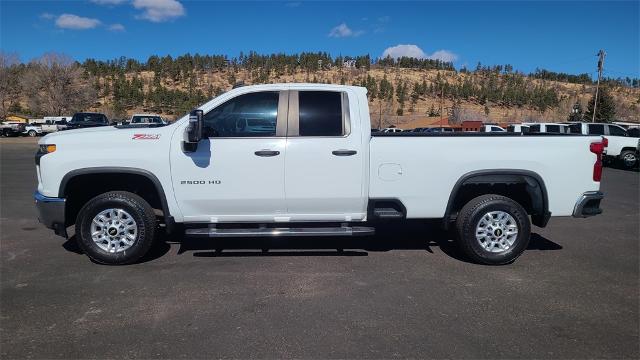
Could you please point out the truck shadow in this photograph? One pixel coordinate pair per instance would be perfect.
(418, 236)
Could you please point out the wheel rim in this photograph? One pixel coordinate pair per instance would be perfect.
(32, 133)
(496, 231)
(629, 159)
(114, 230)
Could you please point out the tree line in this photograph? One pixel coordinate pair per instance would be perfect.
(55, 84)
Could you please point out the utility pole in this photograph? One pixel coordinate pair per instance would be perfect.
(601, 54)
(441, 105)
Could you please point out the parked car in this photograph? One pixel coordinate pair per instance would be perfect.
(319, 172)
(10, 128)
(87, 119)
(51, 125)
(491, 128)
(146, 119)
(438, 130)
(622, 149)
(553, 128)
(518, 128)
(32, 130)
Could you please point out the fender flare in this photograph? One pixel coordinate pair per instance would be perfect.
(532, 179)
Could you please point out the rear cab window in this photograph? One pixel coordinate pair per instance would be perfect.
(321, 113)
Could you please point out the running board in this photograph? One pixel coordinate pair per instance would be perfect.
(306, 231)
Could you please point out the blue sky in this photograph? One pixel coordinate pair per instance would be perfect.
(560, 36)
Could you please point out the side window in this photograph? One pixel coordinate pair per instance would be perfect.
(320, 113)
(575, 128)
(248, 115)
(553, 128)
(534, 128)
(596, 129)
(616, 131)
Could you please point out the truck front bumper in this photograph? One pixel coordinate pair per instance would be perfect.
(588, 204)
(51, 213)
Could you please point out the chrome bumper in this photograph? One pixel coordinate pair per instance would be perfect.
(588, 204)
(51, 213)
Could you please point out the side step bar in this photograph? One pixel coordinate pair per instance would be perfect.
(305, 231)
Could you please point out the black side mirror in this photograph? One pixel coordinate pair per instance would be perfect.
(194, 131)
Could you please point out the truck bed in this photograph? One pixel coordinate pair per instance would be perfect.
(421, 169)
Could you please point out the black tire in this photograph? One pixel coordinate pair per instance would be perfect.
(469, 218)
(139, 210)
(32, 133)
(628, 159)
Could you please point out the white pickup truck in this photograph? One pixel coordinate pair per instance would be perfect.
(308, 166)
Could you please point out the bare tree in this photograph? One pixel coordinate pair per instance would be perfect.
(9, 83)
(55, 85)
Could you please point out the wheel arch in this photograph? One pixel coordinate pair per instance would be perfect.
(149, 176)
(533, 184)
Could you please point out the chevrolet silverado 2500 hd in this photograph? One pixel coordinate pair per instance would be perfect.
(301, 160)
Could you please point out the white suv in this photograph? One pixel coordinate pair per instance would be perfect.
(622, 148)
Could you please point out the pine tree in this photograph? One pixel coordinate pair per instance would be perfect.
(606, 109)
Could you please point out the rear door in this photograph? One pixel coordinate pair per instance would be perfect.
(324, 165)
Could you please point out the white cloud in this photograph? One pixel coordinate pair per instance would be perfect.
(159, 10)
(414, 51)
(75, 22)
(108, 2)
(399, 51)
(116, 27)
(444, 55)
(343, 30)
(47, 16)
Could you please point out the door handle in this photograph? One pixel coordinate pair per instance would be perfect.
(267, 153)
(342, 152)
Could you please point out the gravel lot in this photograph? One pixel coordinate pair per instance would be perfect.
(404, 293)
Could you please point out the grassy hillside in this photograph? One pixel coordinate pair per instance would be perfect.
(384, 111)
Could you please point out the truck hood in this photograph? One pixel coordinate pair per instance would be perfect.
(108, 135)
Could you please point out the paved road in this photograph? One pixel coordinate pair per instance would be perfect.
(401, 294)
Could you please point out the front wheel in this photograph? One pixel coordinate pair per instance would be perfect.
(32, 133)
(117, 227)
(493, 229)
(628, 159)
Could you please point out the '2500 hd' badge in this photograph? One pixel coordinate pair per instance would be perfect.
(146, 136)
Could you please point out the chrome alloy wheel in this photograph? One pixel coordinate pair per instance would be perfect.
(114, 230)
(497, 231)
(629, 159)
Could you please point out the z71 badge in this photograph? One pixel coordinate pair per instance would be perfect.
(146, 136)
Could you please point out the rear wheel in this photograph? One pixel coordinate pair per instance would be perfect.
(117, 227)
(628, 159)
(493, 229)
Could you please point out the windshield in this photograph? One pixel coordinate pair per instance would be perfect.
(85, 117)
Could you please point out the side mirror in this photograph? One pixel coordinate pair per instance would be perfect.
(194, 131)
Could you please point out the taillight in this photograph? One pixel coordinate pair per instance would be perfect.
(598, 148)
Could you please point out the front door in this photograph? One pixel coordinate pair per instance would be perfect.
(325, 161)
(237, 172)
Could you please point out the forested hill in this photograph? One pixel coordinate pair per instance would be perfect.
(401, 91)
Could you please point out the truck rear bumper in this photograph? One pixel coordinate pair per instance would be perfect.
(51, 213)
(588, 204)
